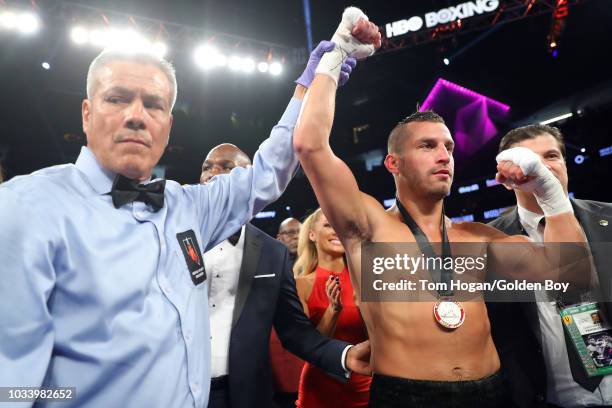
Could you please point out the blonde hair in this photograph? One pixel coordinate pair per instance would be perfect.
(308, 258)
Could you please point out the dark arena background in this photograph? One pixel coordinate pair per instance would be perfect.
(487, 66)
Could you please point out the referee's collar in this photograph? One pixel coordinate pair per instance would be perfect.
(99, 178)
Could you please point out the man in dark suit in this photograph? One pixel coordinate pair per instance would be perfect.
(251, 290)
(538, 359)
(286, 367)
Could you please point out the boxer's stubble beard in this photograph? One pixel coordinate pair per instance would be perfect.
(420, 186)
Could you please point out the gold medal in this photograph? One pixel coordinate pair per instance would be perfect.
(449, 314)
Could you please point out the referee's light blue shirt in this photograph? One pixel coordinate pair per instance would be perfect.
(100, 298)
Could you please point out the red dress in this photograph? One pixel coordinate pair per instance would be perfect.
(317, 389)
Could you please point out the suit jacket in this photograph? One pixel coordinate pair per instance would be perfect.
(260, 304)
(515, 327)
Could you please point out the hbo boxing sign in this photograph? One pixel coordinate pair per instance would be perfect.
(443, 16)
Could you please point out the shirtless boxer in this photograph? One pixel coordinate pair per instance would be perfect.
(417, 361)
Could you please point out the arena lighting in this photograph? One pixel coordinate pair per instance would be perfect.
(389, 202)
(8, 19)
(462, 218)
(45, 65)
(126, 40)
(263, 67)
(494, 213)
(606, 151)
(471, 115)
(276, 68)
(557, 26)
(23, 22)
(468, 189)
(266, 214)
(220, 60)
(491, 182)
(208, 57)
(130, 41)
(247, 65)
(28, 23)
(582, 150)
(442, 85)
(579, 159)
(557, 118)
(234, 63)
(159, 48)
(97, 38)
(79, 35)
(446, 61)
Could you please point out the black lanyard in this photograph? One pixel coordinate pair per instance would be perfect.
(437, 275)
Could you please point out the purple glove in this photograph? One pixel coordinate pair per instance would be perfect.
(315, 56)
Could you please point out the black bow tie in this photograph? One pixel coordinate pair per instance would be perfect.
(126, 190)
(233, 239)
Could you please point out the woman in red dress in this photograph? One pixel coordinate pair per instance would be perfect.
(324, 287)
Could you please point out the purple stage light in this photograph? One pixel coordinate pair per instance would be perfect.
(443, 84)
(470, 115)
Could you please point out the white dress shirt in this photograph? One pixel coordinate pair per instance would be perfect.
(222, 264)
(562, 390)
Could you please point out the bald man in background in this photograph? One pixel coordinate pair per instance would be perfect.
(251, 290)
(288, 233)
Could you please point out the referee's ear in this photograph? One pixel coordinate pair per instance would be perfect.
(85, 113)
(171, 119)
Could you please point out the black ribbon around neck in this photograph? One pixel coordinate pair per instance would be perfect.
(437, 275)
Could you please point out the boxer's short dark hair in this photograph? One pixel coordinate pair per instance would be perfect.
(397, 135)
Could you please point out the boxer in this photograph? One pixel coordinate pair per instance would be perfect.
(419, 356)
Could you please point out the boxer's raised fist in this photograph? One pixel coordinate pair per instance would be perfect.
(355, 37)
(516, 168)
(521, 169)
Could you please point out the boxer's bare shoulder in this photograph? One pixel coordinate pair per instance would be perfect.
(386, 225)
(479, 232)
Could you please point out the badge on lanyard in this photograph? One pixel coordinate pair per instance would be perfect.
(193, 257)
(591, 335)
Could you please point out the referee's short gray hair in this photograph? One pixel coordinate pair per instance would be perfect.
(108, 56)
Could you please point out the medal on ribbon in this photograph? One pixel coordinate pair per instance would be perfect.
(447, 312)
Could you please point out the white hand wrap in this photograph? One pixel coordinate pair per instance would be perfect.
(346, 45)
(545, 187)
